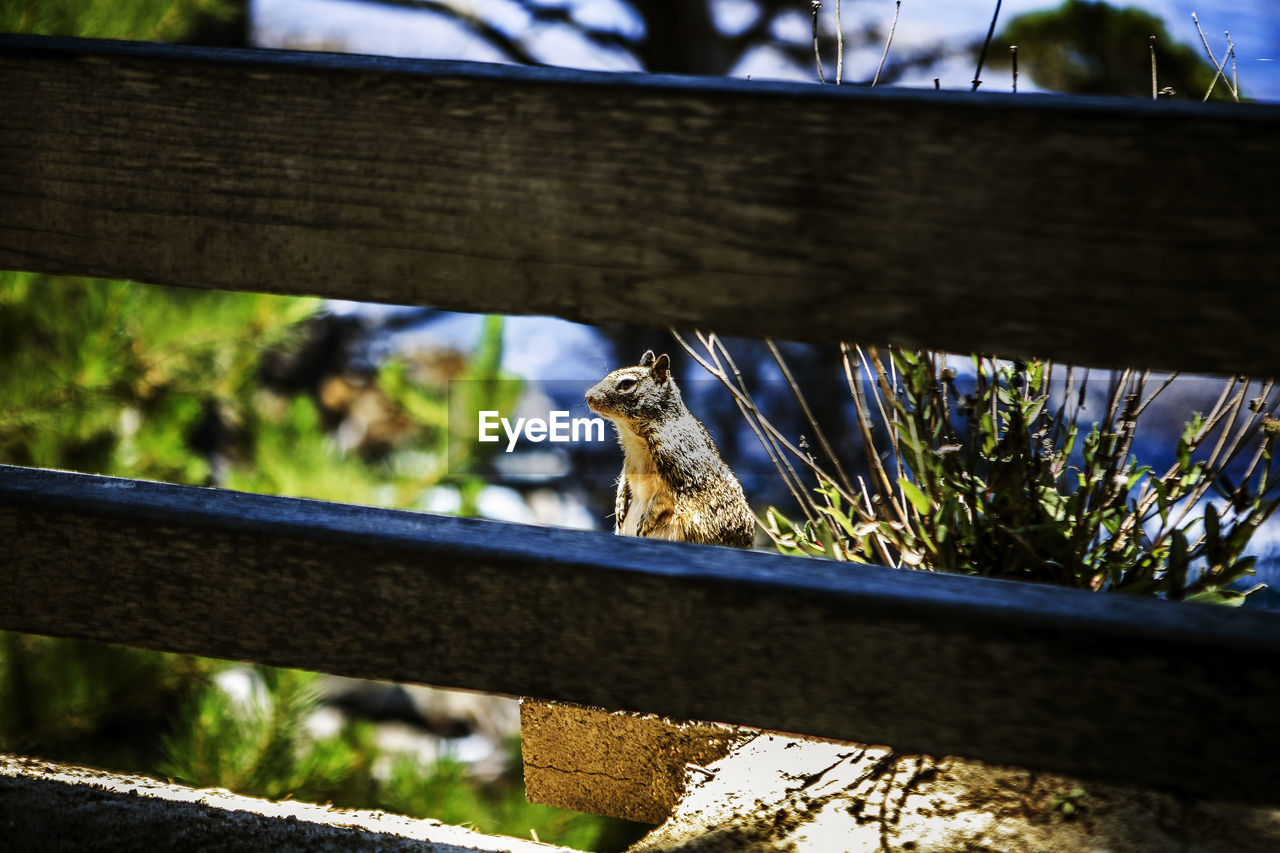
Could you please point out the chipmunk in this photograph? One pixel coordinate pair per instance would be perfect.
(673, 484)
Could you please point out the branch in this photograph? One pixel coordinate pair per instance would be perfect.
(513, 47)
(1216, 64)
(982, 57)
(817, 53)
(892, 27)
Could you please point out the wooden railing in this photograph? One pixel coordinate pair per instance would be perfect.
(1091, 231)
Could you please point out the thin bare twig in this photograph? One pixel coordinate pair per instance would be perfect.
(1236, 407)
(717, 370)
(982, 57)
(1156, 393)
(884, 487)
(743, 397)
(1213, 467)
(873, 460)
(817, 54)
(717, 350)
(839, 46)
(1147, 497)
(1262, 445)
(1116, 394)
(1216, 64)
(466, 17)
(808, 413)
(1192, 497)
(892, 27)
(752, 415)
(1235, 83)
(1248, 426)
(884, 387)
(1155, 87)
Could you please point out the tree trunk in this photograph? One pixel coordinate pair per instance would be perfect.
(680, 38)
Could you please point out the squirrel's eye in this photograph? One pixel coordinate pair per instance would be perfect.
(626, 384)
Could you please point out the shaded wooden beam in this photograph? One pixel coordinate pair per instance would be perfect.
(1108, 687)
(1091, 231)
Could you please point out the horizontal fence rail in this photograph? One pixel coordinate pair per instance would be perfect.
(1091, 231)
(1102, 686)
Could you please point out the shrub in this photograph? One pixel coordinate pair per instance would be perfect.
(998, 475)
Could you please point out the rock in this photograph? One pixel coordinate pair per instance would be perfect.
(777, 793)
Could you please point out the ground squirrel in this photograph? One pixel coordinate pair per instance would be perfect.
(673, 485)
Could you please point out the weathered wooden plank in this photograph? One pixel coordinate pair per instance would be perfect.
(1092, 231)
(631, 766)
(1109, 687)
(53, 808)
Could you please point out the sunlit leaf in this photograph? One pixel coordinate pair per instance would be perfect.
(917, 498)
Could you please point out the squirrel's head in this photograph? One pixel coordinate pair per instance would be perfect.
(640, 395)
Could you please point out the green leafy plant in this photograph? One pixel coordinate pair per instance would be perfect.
(114, 378)
(450, 413)
(443, 790)
(200, 21)
(259, 744)
(88, 702)
(1069, 803)
(999, 476)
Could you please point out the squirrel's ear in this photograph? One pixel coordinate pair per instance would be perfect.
(661, 368)
(647, 358)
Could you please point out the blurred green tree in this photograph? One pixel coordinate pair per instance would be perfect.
(1093, 48)
(209, 22)
(114, 378)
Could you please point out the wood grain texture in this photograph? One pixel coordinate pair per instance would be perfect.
(631, 766)
(1090, 231)
(1106, 687)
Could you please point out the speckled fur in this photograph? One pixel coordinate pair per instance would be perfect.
(673, 484)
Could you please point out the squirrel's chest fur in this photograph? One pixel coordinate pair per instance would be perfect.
(644, 497)
(674, 486)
